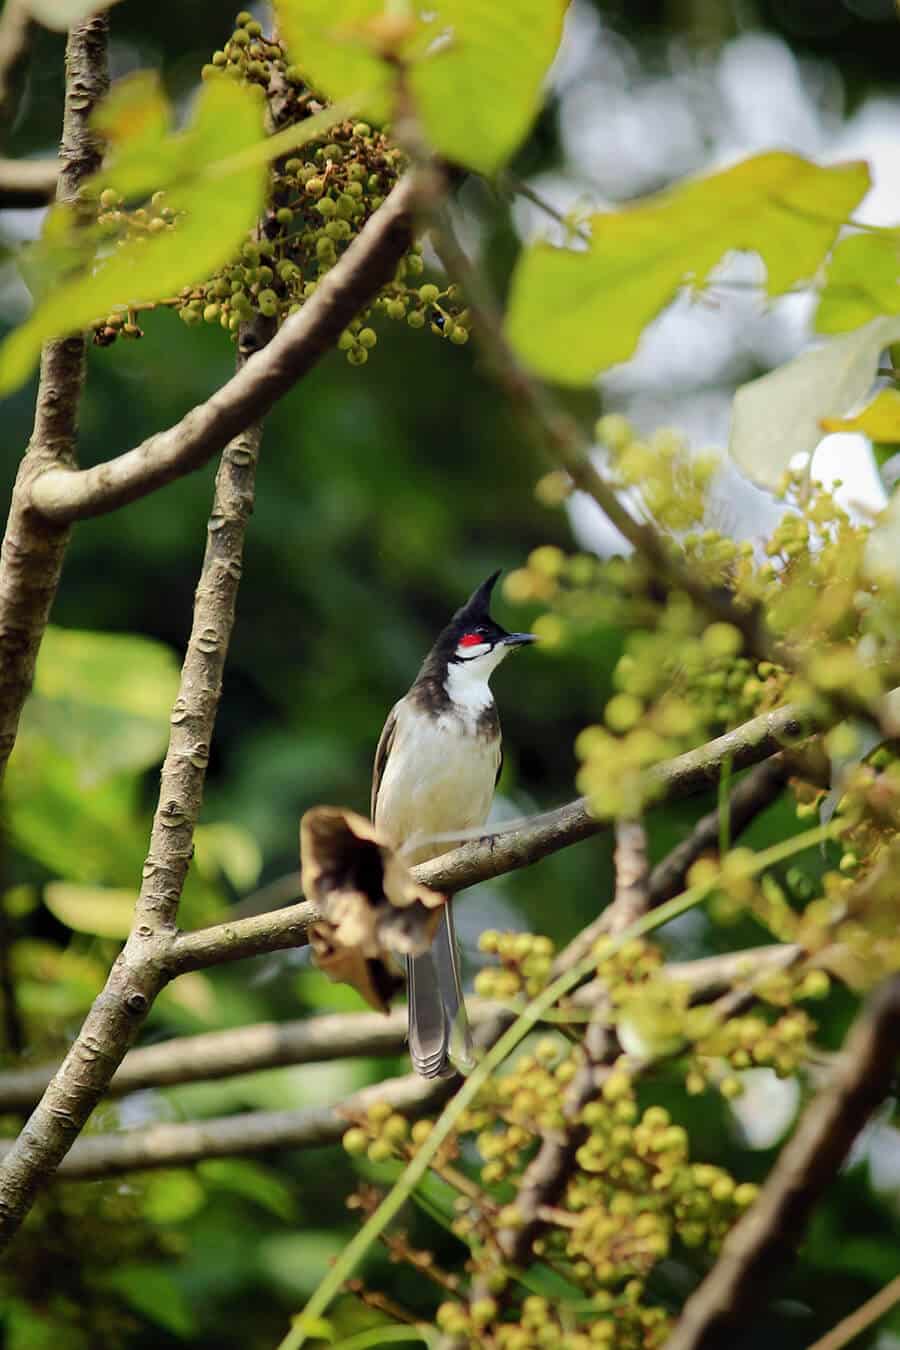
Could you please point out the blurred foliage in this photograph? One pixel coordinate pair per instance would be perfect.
(385, 493)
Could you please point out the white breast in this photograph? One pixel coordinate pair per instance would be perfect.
(439, 777)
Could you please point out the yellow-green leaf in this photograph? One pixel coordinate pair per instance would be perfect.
(477, 86)
(474, 67)
(98, 910)
(880, 420)
(216, 211)
(574, 313)
(862, 281)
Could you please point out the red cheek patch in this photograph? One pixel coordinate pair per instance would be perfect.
(471, 640)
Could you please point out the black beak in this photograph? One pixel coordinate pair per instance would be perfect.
(519, 639)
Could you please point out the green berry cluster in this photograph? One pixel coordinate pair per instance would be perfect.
(319, 200)
(525, 964)
(118, 226)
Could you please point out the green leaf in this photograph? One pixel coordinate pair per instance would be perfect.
(862, 281)
(216, 211)
(573, 314)
(230, 850)
(156, 1294)
(99, 910)
(478, 94)
(251, 1181)
(103, 700)
(780, 415)
(475, 67)
(172, 1196)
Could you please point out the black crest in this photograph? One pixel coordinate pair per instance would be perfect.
(475, 614)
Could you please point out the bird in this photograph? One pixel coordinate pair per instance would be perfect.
(436, 766)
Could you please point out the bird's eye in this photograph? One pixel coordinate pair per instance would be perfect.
(475, 639)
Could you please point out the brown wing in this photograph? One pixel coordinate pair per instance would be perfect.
(385, 742)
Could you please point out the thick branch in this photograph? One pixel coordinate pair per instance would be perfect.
(27, 182)
(765, 1239)
(503, 852)
(140, 970)
(33, 548)
(167, 1145)
(64, 495)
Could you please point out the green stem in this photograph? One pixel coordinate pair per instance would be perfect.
(385, 1335)
(393, 1202)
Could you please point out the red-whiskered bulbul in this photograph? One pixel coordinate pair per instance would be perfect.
(436, 766)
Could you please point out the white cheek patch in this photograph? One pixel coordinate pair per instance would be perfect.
(470, 651)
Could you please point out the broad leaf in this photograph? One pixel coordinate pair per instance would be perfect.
(780, 415)
(880, 420)
(475, 67)
(573, 314)
(97, 910)
(103, 699)
(216, 211)
(862, 281)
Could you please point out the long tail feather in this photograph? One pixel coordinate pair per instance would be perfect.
(439, 1038)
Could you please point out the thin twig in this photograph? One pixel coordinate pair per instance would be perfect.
(177, 1145)
(27, 182)
(861, 1318)
(546, 1176)
(33, 548)
(219, 1054)
(764, 1241)
(746, 801)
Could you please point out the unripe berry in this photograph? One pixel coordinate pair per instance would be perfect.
(415, 318)
(355, 1141)
(367, 337)
(357, 356)
(326, 207)
(428, 293)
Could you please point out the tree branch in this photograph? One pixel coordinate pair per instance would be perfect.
(494, 855)
(748, 799)
(764, 1241)
(62, 494)
(861, 1318)
(270, 1045)
(171, 1145)
(220, 1054)
(27, 182)
(33, 548)
(140, 971)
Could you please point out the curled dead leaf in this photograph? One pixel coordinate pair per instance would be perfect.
(374, 909)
